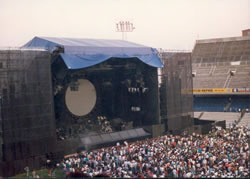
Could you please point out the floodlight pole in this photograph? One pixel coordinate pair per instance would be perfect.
(123, 35)
(123, 27)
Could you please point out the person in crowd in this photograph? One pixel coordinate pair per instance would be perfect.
(27, 170)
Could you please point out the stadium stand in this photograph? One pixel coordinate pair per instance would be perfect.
(221, 103)
(217, 76)
(216, 59)
(221, 79)
(240, 81)
(208, 81)
(239, 103)
(212, 104)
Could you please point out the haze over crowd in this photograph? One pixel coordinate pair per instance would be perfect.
(169, 24)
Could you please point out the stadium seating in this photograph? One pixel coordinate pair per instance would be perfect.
(240, 81)
(209, 81)
(217, 76)
(225, 64)
(213, 59)
(212, 104)
(239, 103)
(219, 104)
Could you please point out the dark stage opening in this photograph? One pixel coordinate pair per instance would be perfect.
(115, 95)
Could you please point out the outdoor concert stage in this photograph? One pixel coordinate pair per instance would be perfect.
(60, 96)
(57, 93)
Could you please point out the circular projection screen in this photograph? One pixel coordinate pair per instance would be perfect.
(80, 97)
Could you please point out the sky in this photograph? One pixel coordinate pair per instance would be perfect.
(167, 24)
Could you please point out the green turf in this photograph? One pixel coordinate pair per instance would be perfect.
(43, 173)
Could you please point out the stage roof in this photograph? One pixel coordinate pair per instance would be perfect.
(83, 53)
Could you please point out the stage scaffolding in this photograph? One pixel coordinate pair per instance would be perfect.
(176, 91)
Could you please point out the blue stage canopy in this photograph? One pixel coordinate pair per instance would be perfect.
(83, 53)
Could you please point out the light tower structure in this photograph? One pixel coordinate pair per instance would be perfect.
(123, 27)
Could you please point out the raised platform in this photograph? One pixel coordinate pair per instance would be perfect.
(229, 117)
(245, 121)
(103, 140)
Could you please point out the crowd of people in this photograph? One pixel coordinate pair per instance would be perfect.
(100, 125)
(223, 153)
